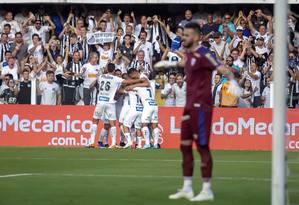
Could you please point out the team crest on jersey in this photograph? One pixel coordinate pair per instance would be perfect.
(193, 61)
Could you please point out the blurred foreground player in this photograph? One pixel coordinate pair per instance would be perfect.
(199, 63)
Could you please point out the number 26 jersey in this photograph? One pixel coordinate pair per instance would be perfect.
(108, 85)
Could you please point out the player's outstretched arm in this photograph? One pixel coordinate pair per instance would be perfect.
(143, 83)
(130, 81)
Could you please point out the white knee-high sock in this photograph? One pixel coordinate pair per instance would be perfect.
(146, 135)
(113, 135)
(93, 133)
(156, 136)
(128, 137)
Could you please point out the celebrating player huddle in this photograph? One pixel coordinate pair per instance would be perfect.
(129, 99)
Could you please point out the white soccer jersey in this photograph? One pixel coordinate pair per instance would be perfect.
(108, 85)
(90, 73)
(135, 111)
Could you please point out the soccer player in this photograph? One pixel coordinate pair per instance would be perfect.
(199, 63)
(108, 86)
(133, 117)
(150, 108)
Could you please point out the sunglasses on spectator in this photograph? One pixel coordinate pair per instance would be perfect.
(37, 23)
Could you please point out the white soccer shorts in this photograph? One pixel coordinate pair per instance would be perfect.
(124, 111)
(105, 110)
(150, 114)
(131, 118)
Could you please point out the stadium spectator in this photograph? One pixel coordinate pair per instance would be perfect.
(10, 94)
(50, 91)
(179, 91)
(167, 93)
(38, 40)
(188, 18)
(24, 88)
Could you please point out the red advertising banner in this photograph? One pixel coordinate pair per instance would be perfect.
(233, 129)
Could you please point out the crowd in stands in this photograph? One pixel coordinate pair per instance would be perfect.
(54, 51)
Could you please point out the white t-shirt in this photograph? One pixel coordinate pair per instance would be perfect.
(169, 100)
(14, 26)
(105, 56)
(147, 48)
(180, 94)
(239, 63)
(266, 94)
(38, 52)
(13, 71)
(108, 85)
(59, 68)
(256, 83)
(41, 32)
(219, 47)
(262, 50)
(266, 36)
(49, 92)
(90, 73)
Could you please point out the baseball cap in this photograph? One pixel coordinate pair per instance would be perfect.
(240, 28)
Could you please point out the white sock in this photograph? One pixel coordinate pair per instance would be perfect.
(103, 133)
(156, 136)
(146, 135)
(94, 128)
(206, 186)
(128, 137)
(187, 186)
(139, 141)
(113, 135)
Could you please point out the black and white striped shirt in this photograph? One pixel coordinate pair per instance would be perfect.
(64, 43)
(3, 48)
(142, 67)
(74, 68)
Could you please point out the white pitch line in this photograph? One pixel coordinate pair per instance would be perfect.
(143, 176)
(152, 160)
(15, 175)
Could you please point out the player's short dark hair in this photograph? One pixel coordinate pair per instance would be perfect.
(143, 31)
(193, 26)
(19, 33)
(26, 70)
(117, 70)
(10, 76)
(6, 52)
(103, 21)
(7, 25)
(179, 75)
(73, 35)
(110, 67)
(49, 72)
(35, 35)
(132, 70)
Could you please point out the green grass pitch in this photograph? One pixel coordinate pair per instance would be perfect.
(69, 176)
